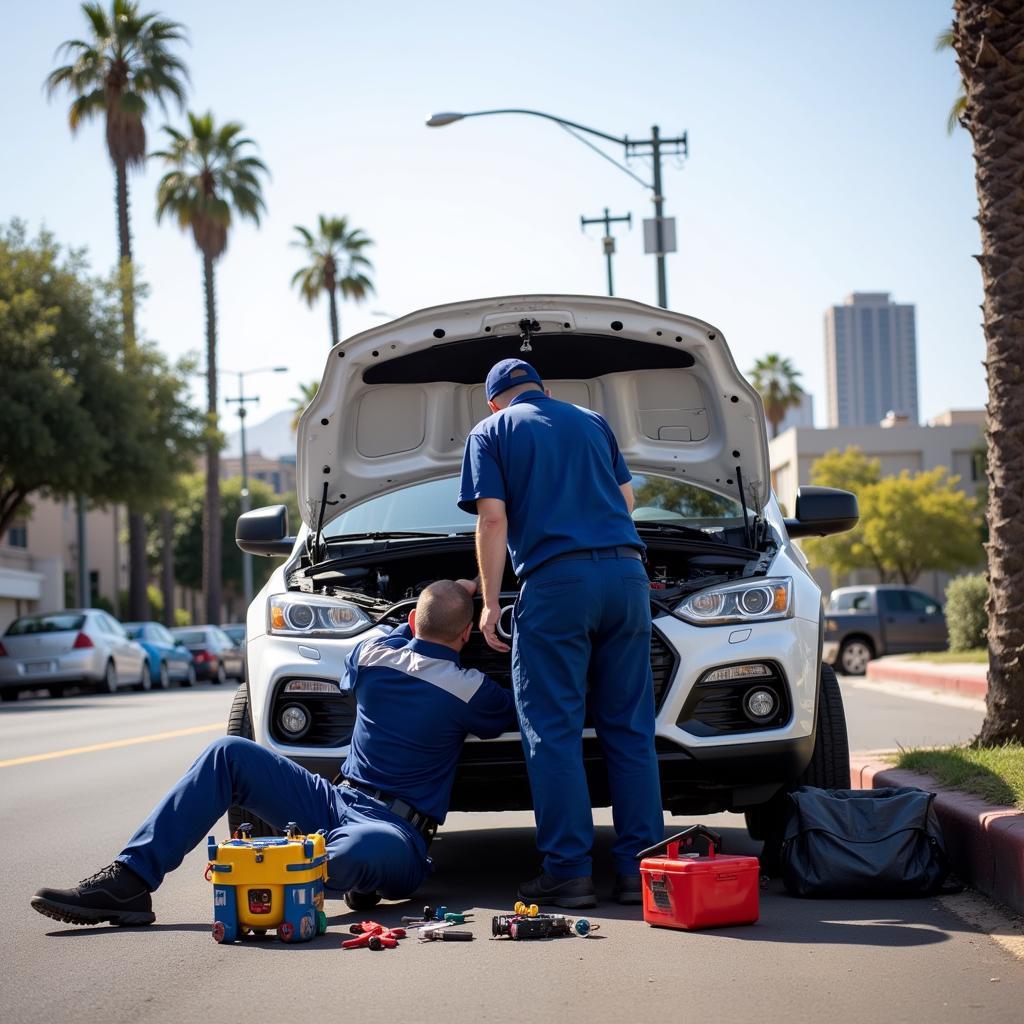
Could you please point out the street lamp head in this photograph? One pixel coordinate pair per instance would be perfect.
(440, 120)
(280, 369)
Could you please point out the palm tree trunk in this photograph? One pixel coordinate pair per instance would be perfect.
(211, 507)
(988, 36)
(138, 570)
(334, 317)
(167, 564)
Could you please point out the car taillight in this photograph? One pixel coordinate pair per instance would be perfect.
(3, 651)
(81, 641)
(202, 656)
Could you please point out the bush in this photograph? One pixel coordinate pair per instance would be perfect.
(966, 616)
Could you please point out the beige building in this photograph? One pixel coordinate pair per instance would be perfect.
(39, 558)
(954, 439)
(277, 474)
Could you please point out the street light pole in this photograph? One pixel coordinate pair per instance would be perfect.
(652, 147)
(608, 239)
(241, 401)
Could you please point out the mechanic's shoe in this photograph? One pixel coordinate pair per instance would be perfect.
(115, 894)
(628, 889)
(362, 900)
(558, 892)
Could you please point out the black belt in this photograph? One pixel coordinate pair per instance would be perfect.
(622, 551)
(425, 825)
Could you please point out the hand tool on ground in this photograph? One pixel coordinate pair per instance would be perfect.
(540, 926)
(373, 936)
(444, 935)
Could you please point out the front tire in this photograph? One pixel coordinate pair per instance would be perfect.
(108, 684)
(146, 682)
(829, 768)
(854, 656)
(190, 677)
(163, 678)
(240, 724)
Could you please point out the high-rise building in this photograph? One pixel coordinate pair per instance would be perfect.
(870, 360)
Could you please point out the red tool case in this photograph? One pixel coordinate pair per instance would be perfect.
(692, 892)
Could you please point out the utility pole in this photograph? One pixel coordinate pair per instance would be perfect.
(608, 240)
(242, 400)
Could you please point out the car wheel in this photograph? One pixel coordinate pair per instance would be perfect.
(163, 678)
(854, 656)
(829, 768)
(146, 682)
(108, 684)
(220, 676)
(240, 724)
(190, 677)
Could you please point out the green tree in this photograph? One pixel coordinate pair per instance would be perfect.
(334, 262)
(212, 178)
(776, 380)
(307, 392)
(908, 523)
(686, 499)
(78, 415)
(988, 38)
(126, 62)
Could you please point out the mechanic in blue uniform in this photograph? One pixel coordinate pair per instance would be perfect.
(415, 706)
(546, 478)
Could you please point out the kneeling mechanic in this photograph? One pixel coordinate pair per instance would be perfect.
(415, 706)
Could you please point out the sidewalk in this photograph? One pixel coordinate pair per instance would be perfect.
(962, 677)
(985, 841)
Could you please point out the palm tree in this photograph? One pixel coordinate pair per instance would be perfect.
(307, 392)
(335, 263)
(988, 37)
(944, 41)
(776, 379)
(124, 64)
(211, 178)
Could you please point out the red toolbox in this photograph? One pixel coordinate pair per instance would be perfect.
(692, 891)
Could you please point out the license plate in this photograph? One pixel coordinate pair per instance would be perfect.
(36, 668)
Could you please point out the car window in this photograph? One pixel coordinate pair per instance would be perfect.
(922, 603)
(136, 632)
(433, 507)
(222, 637)
(45, 624)
(895, 600)
(115, 627)
(190, 636)
(852, 600)
(161, 635)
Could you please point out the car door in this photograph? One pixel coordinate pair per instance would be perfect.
(908, 627)
(127, 655)
(930, 626)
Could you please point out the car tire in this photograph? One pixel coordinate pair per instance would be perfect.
(163, 677)
(190, 677)
(9, 695)
(854, 655)
(146, 682)
(240, 724)
(829, 768)
(219, 678)
(108, 684)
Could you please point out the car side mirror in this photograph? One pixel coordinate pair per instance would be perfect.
(264, 531)
(821, 511)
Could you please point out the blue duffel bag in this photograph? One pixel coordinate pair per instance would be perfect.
(863, 843)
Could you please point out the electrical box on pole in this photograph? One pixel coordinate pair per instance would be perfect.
(668, 235)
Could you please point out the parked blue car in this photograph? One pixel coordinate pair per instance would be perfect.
(169, 661)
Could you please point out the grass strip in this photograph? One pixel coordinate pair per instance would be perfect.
(994, 773)
(979, 656)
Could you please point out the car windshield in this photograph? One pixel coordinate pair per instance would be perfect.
(133, 629)
(190, 636)
(432, 507)
(45, 624)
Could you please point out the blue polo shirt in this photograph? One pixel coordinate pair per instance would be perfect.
(558, 469)
(415, 705)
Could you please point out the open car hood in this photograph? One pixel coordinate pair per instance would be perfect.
(396, 403)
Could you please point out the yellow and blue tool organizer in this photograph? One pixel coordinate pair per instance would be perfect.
(268, 882)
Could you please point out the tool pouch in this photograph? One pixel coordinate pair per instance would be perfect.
(852, 843)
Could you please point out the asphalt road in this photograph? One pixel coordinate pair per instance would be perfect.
(64, 817)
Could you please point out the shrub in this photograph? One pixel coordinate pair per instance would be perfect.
(966, 616)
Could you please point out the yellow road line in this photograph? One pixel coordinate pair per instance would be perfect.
(112, 744)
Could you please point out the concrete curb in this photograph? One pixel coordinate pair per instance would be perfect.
(965, 678)
(985, 841)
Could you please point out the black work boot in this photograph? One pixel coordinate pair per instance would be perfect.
(558, 892)
(115, 894)
(628, 889)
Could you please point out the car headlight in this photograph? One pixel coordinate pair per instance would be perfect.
(750, 601)
(305, 615)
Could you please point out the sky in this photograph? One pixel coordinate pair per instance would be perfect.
(819, 164)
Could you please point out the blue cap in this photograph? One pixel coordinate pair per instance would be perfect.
(510, 373)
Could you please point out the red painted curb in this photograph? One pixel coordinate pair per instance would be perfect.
(985, 841)
(955, 677)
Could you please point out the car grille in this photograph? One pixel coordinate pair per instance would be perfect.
(713, 709)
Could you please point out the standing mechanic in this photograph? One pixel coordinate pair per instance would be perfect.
(415, 706)
(547, 478)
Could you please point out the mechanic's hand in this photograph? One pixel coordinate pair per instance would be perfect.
(468, 585)
(489, 627)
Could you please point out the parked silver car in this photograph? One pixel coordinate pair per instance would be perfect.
(70, 648)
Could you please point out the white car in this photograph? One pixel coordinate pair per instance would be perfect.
(745, 708)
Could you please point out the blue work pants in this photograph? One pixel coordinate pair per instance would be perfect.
(369, 849)
(578, 621)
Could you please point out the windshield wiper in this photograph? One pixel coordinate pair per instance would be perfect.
(668, 525)
(713, 544)
(382, 535)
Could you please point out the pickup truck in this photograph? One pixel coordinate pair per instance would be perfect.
(866, 622)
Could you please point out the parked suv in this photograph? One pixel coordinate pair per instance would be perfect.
(744, 706)
(866, 622)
